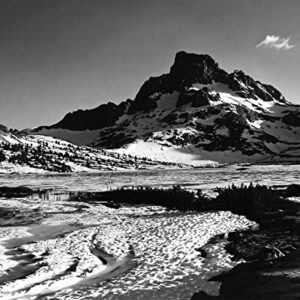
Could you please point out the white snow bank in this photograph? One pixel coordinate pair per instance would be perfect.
(159, 152)
(189, 156)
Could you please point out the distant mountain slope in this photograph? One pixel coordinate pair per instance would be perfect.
(36, 153)
(102, 116)
(195, 112)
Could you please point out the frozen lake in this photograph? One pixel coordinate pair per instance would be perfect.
(206, 178)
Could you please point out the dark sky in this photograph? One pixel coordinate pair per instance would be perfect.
(57, 56)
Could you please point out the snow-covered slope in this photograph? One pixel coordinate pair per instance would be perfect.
(195, 113)
(24, 153)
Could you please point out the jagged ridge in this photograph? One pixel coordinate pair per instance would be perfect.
(197, 108)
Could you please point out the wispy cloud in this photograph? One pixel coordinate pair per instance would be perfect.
(276, 42)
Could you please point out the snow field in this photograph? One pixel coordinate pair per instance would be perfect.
(164, 243)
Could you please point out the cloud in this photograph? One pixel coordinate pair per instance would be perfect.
(276, 42)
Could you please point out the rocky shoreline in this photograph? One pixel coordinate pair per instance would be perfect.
(272, 256)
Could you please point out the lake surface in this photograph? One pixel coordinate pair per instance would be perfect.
(206, 178)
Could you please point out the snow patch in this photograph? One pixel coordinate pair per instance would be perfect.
(197, 86)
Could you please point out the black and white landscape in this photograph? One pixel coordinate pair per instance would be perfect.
(189, 190)
(197, 115)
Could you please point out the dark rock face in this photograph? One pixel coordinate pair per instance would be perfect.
(186, 70)
(280, 280)
(237, 78)
(99, 117)
(142, 102)
(292, 119)
(114, 140)
(3, 128)
(198, 98)
(245, 86)
(274, 93)
(193, 68)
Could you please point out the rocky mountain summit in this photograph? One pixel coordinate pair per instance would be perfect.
(194, 114)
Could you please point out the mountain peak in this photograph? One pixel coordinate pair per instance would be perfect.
(203, 66)
(183, 59)
(195, 108)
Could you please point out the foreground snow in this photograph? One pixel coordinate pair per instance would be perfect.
(150, 253)
(153, 251)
